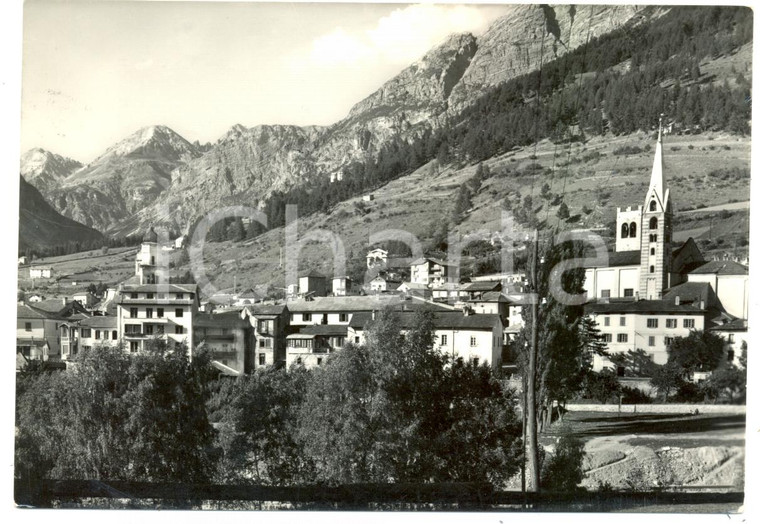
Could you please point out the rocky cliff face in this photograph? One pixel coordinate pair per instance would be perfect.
(125, 179)
(512, 46)
(45, 170)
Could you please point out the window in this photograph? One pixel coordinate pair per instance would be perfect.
(624, 231)
(653, 223)
(653, 238)
(262, 359)
(356, 340)
(306, 317)
(319, 361)
(606, 321)
(27, 326)
(133, 312)
(132, 329)
(688, 323)
(668, 341)
(632, 230)
(476, 361)
(264, 343)
(160, 312)
(473, 341)
(86, 333)
(653, 206)
(179, 330)
(149, 295)
(114, 335)
(730, 338)
(628, 292)
(651, 251)
(133, 295)
(606, 337)
(149, 312)
(444, 340)
(339, 342)
(622, 337)
(622, 321)
(97, 334)
(671, 323)
(652, 323)
(343, 317)
(134, 346)
(179, 312)
(605, 293)
(148, 329)
(651, 269)
(651, 341)
(620, 371)
(299, 361)
(180, 296)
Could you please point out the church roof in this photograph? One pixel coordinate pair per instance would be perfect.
(624, 258)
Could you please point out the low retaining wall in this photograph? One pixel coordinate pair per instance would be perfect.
(723, 409)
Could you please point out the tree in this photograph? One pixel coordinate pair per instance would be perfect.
(118, 416)
(667, 378)
(727, 380)
(563, 212)
(236, 230)
(637, 363)
(563, 472)
(699, 351)
(546, 191)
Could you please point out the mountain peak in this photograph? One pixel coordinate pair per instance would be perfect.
(151, 141)
(44, 169)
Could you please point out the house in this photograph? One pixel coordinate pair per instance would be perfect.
(79, 334)
(179, 242)
(382, 284)
(336, 311)
(460, 335)
(449, 292)
(413, 289)
(736, 336)
(40, 272)
(37, 333)
(248, 297)
(34, 298)
(165, 311)
(368, 198)
(377, 257)
(311, 345)
(270, 323)
(342, 286)
(85, 298)
(310, 284)
(229, 340)
(430, 272)
(730, 282)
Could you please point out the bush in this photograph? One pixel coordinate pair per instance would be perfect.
(564, 470)
(634, 396)
(627, 150)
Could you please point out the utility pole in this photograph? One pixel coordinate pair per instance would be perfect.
(530, 396)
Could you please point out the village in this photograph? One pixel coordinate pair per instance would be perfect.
(650, 291)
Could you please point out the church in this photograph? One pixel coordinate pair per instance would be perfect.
(650, 290)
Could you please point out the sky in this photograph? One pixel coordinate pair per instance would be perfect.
(94, 72)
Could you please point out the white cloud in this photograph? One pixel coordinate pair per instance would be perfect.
(398, 38)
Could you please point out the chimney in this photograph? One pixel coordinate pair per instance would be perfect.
(701, 304)
(678, 300)
(636, 295)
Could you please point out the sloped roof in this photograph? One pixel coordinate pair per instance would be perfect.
(642, 306)
(341, 304)
(482, 285)
(324, 330)
(688, 292)
(25, 311)
(250, 293)
(51, 305)
(491, 296)
(228, 319)
(422, 260)
(102, 321)
(159, 288)
(738, 324)
(268, 309)
(624, 258)
(441, 320)
(720, 267)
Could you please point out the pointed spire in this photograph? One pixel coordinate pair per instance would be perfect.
(657, 181)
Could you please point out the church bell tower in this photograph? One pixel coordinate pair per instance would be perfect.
(656, 231)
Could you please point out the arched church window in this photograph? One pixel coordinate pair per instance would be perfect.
(651, 251)
(651, 269)
(624, 231)
(653, 206)
(653, 223)
(632, 230)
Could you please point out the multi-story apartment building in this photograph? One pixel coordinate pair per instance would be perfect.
(228, 337)
(270, 324)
